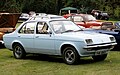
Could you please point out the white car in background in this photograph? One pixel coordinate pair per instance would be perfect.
(58, 37)
(24, 16)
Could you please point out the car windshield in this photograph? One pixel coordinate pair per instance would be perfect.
(78, 19)
(64, 26)
(89, 18)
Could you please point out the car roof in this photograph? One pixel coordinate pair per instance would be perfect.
(46, 20)
(74, 14)
(42, 20)
(39, 16)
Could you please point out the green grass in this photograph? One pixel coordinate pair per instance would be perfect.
(50, 65)
(109, 21)
(113, 19)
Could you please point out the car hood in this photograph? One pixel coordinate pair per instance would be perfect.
(97, 38)
(100, 22)
(8, 20)
(90, 22)
(94, 21)
(101, 31)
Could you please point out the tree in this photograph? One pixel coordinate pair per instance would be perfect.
(53, 6)
(14, 6)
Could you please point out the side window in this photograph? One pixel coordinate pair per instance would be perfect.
(42, 28)
(28, 28)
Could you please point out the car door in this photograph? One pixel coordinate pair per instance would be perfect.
(26, 36)
(44, 39)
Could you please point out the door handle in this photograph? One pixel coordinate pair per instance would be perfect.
(19, 36)
(37, 36)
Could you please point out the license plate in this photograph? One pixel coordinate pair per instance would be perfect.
(100, 52)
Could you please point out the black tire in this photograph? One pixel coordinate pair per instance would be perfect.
(99, 57)
(18, 51)
(70, 56)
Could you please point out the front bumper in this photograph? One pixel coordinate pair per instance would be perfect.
(1, 41)
(98, 46)
(93, 50)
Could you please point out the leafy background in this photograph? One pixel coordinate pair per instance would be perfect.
(53, 6)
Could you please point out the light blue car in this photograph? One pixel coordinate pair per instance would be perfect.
(58, 37)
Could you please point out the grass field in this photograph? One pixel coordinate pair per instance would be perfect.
(50, 65)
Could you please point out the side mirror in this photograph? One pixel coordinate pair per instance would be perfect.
(50, 32)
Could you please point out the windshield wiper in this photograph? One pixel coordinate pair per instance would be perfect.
(78, 30)
(68, 31)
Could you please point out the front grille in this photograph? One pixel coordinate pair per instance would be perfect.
(107, 23)
(101, 44)
(104, 47)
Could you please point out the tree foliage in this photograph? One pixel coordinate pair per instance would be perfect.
(11, 5)
(53, 6)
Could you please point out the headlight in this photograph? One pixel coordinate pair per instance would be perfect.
(112, 38)
(89, 41)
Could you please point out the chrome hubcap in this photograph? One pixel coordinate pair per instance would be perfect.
(69, 56)
(18, 51)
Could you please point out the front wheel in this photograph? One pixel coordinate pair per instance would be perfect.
(18, 51)
(70, 56)
(99, 57)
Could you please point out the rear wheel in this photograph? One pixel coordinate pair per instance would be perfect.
(18, 51)
(70, 56)
(99, 57)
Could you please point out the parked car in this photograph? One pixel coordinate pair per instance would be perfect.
(109, 29)
(24, 16)
(7, 24)
(102, 15)
(58, 37)
(85, 20)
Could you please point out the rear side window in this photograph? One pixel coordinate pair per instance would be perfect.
(28, 28)
(42, 28)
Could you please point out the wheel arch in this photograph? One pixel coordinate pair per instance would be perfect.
(16, 42)
(18, 50)
(67, 45)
